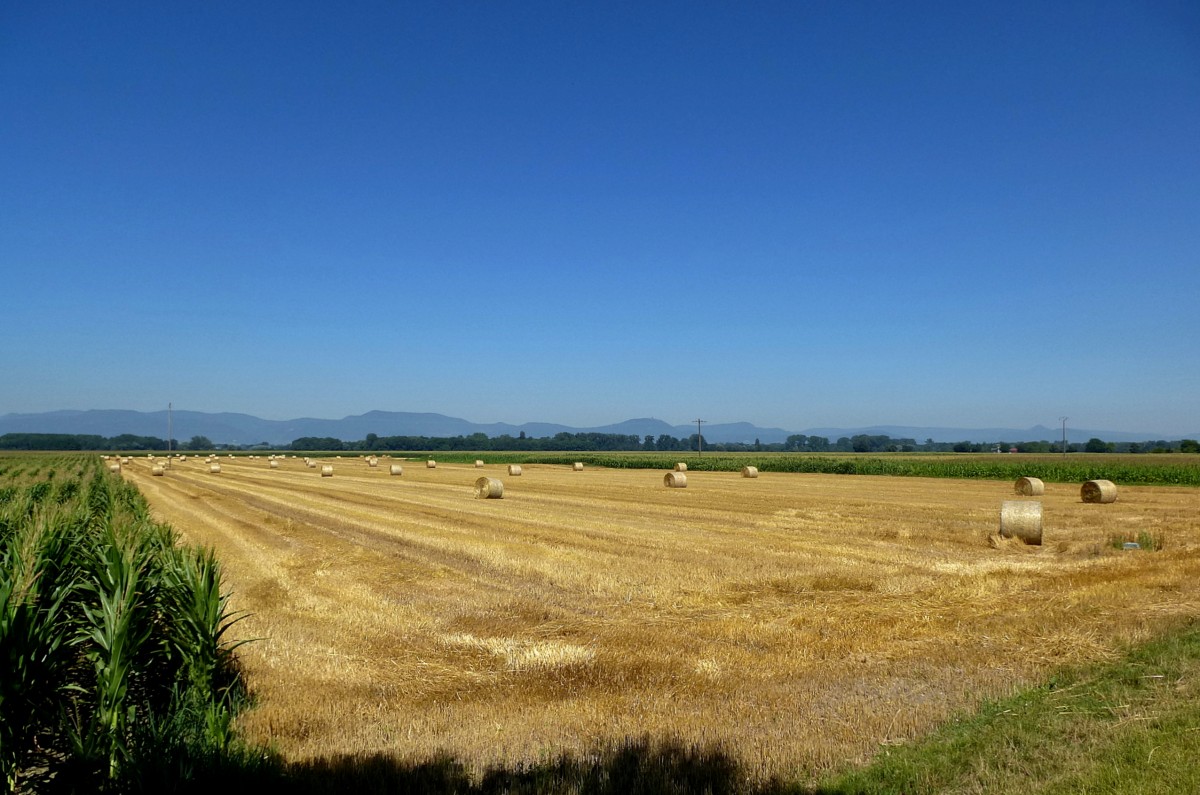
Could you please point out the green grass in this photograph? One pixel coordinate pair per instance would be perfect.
(1130, 726)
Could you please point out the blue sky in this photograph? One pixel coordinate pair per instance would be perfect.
(795, 214)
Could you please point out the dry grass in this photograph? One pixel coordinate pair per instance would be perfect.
(802, 620)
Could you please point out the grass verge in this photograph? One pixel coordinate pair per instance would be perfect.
(1130, 726)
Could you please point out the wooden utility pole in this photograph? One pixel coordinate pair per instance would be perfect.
(1063, 420)
(699, 438)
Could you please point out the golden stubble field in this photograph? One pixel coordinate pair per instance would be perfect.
(799, 621)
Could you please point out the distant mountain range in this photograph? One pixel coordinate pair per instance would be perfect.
(225, 428)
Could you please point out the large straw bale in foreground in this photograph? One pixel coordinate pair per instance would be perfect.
(675, 480)
(489, 489)
(1030, 487)
(1102, 491)
(1021, 519)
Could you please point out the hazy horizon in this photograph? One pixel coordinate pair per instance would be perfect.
(1053, 431)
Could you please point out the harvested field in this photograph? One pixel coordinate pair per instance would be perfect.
(799, 620)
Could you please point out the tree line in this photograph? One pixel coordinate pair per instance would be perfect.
(590, 442)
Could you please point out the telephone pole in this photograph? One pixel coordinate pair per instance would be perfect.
(699, 438)
(1063, 420)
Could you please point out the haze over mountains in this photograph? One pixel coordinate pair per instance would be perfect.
(229, 428)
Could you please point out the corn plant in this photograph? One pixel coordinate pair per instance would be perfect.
(114, 655)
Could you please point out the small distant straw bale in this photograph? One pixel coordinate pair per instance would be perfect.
(274, 464)
(158, 470)
(327, 471)
(214, 469)
(396, 469)
(114, 467)
(681, 467)
(372, 461)
(1030, 487)
(675, 480)
(577, 466)
(431, 464)
(489, 489)
(1102, 491)
(749, 472)
(1021, 519)
(514, 470)
(478, 463)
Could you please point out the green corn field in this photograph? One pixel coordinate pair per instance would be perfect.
(116, 669)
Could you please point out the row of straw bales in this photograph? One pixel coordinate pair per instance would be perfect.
(1101, 491)
(1023, 518)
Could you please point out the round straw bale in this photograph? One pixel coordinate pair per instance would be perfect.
(681, 467)
(372, 461)
(514, 470)
(1021, 519)
(274, 464)
(1099, 491)
(478, 463)
(396, 469)
(1030, 487)
(749, 472)
(431, 464)
(214, 469)
(675, 480)
(489, 489)
(158, 470)
(577, 466)
(114, 467)
(327, 471)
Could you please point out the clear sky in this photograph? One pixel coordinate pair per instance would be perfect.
(791, 213)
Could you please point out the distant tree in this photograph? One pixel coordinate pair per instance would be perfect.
(1189, 446)
(200, 443)
(648, 442)
(1095, 445)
